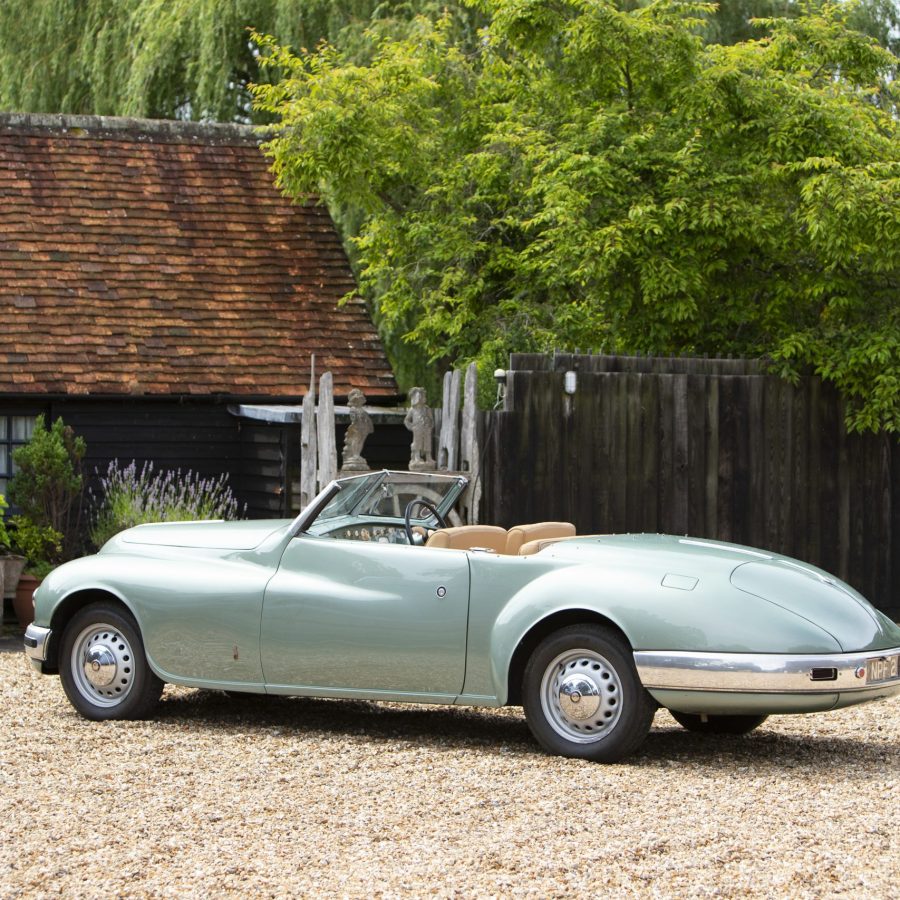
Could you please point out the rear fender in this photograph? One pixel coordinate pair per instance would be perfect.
(711, 615)
(553, 593)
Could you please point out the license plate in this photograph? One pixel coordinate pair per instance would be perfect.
(883, 668)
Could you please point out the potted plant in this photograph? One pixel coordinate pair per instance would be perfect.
(11, 564)
(41, 547)
(47, 488)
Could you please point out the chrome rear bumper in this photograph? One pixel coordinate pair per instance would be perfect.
(768, 673)
(36, 639)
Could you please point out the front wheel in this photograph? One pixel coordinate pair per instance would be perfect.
(102, 665)
(717, 724)
(582, 695)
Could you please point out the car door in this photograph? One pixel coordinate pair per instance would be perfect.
(357, 617)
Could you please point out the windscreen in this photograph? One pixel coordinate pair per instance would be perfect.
(386, 494)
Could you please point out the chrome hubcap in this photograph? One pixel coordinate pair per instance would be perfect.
(581, 696)
(103, 665)
(100, 665)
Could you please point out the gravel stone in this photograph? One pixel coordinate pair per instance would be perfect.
(277, 797)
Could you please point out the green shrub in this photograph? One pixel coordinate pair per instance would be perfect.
(130, 498)
(4, 534)
(41, 545)
(47, 486)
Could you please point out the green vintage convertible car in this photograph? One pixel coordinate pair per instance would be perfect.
(373, 593)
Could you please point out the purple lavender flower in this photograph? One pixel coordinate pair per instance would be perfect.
(130, 498)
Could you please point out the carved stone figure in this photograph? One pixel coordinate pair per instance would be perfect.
(420, 421)
(359, 429)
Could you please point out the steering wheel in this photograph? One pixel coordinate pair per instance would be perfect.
(407, 516)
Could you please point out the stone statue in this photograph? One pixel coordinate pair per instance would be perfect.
(420, 421)
(359, 429)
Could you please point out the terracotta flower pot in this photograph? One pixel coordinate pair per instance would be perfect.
(23, 603)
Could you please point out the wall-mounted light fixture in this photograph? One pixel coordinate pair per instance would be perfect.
(570, 382)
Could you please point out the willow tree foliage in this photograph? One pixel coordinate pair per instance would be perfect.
(741, 20)
(166, 58)
(596, 177)
(193, 59)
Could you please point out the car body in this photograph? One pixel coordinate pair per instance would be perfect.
(365, 595)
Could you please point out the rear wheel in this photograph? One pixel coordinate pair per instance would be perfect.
(102, 665)
(582, 695)
(717, 724)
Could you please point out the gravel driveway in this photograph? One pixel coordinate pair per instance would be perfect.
(290, 797)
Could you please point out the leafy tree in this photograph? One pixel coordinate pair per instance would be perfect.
(592, 176)
(189, 59)
(192, 59)
(740, 20)
(879, 19)
(462, 191)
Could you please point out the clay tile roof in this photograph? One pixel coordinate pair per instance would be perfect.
(158, 258)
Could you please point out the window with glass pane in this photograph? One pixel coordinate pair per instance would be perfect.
(22, 428)
(14, 432)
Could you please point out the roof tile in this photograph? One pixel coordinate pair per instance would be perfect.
(159, 258)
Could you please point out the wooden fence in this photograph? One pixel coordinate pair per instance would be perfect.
(711, 448)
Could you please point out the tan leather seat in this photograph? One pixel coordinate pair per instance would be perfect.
(536, 546)
(465, 537)
(519, 535)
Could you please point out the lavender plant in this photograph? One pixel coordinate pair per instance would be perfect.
(129, 498)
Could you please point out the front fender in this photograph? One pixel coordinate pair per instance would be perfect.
(81, 576)
(62, 593)
(198, 614)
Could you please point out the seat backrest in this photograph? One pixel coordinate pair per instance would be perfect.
(531, 547)
(465, 537)
(538, 531)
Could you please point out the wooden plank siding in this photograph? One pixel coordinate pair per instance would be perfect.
(261, 459)
(196, 436)
(712, 448)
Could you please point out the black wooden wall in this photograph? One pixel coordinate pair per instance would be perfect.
(270, 453)
(194, 435)
(261, 459)
(711, 448)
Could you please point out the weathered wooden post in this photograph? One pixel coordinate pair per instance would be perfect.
(325, 428)
(470, 460)
(448, 442)
(308, 443)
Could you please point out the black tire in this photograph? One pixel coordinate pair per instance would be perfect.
(582, 695)
(102, 665)
(717, 724)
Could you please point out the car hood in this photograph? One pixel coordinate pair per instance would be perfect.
(208, 535)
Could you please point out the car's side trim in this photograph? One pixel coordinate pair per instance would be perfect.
(761, 672)
(335, 693)
(36, 639)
